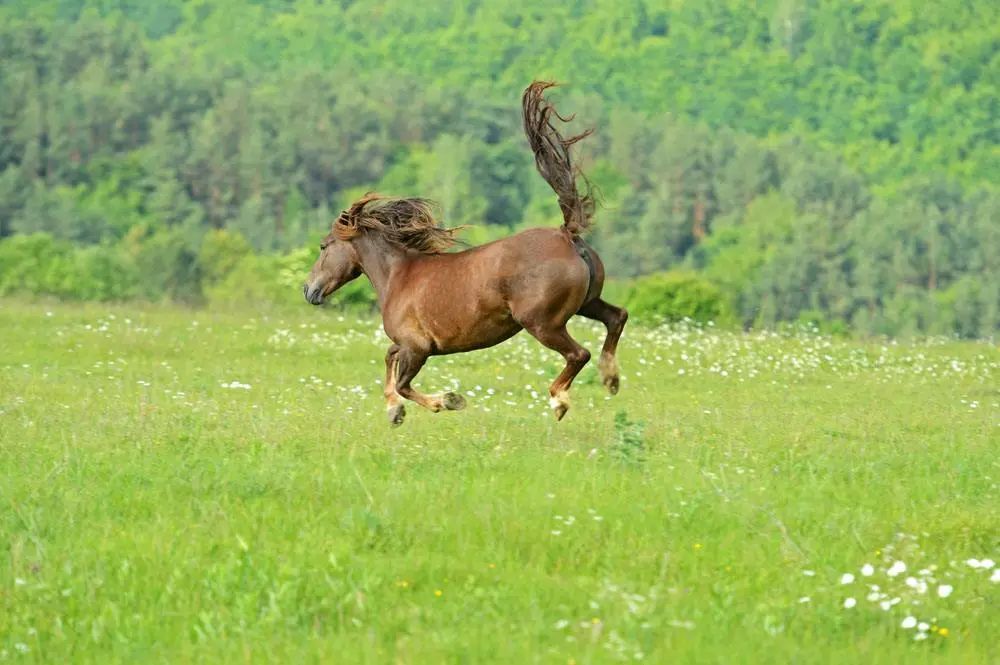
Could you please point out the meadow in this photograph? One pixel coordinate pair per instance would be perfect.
(222, 486)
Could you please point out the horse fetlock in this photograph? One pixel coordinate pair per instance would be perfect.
(453, 401)
(560, 404)
(608, 366)
(396, 413)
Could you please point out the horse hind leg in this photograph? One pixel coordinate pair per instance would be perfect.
(558, 339)
(614, 319)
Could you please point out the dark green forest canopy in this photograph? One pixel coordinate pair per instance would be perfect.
(829, 159)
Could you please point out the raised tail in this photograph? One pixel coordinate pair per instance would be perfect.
(552, 157)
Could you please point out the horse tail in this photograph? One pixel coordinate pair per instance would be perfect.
(552, 157)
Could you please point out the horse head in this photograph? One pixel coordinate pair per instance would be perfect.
(338, 264)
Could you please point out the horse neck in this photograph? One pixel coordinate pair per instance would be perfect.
(379, 259)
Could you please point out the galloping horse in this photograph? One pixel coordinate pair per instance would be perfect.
(435, 302)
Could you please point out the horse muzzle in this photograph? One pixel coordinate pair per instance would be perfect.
(314, 295)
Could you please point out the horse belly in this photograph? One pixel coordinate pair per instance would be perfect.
(467, 333)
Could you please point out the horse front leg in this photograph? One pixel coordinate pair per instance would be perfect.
(408, 363)
(393, 402)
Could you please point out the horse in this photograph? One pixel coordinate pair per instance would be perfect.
(435, 302)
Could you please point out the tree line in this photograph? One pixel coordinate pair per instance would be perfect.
(834, 162)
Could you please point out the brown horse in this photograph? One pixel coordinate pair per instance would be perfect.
(435, 302)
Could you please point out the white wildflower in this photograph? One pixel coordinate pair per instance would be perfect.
(849, 603)
(909, 622)
(867, 570)
(896, 568)
(944, 590)
(846, 578)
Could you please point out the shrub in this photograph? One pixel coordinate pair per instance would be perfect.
(102, 273)
(35, 263)
(221, 251)
(676, 295)
(168, 263)
(38, 264)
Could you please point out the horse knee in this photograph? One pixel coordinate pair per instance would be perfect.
(579, 357)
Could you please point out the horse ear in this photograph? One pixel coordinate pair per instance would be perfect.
(360, 204)
(346, 224)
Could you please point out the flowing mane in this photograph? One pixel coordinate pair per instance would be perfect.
(406, 222)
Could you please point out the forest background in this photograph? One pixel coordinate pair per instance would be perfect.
(835, 163)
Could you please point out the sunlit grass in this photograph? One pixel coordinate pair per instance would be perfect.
(209, 486)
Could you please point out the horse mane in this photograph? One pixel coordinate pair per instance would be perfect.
(405, 222)
(552, 157)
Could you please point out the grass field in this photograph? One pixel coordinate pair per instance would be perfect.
(192, 486)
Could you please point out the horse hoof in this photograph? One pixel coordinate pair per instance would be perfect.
(560, 404)
(611, 383)
(453, 401)
(396, 415)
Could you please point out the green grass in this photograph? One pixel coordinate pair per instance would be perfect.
(148, 513)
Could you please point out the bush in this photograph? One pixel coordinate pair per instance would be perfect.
(38, 264)
(969, 308)
(676, 295)
(168, 261)
(35, 263)
(221, 251)
(253, 280)
(103, 273)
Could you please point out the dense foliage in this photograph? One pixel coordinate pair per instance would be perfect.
(836, 160)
